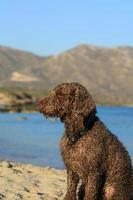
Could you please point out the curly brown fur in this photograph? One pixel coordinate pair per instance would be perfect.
(97, 159)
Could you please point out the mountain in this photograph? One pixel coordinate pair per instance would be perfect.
(106, 72)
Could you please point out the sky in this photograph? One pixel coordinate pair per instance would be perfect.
(47, 27)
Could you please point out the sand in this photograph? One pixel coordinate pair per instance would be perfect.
(24, 181)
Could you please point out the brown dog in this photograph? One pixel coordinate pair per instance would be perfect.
(91, 153)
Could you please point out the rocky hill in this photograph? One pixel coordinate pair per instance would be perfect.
(106, 72)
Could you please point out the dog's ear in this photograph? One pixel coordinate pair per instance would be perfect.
(83, 103)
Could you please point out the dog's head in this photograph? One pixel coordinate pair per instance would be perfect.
(67, 99)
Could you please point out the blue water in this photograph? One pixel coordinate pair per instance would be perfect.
(30, 138)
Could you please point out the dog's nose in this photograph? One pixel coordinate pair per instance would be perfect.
(41, 104)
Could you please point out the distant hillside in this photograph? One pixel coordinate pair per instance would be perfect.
(106, 72)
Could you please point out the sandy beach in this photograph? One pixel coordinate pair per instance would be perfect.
(28, 182)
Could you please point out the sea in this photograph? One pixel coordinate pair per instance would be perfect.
(33, 139)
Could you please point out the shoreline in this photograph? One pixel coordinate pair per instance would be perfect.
(28, 182)
(15, 99)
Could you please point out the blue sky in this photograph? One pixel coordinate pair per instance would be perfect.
(48, 27)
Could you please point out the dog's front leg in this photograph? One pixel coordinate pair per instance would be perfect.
(92, 187)
(72, 181)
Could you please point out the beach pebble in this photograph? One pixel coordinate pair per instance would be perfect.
(26, 189)
(6, 164)
(40, 193)
(59, 193)
(19, 196)
(2, 196)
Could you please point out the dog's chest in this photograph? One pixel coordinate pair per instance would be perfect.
(73, 155)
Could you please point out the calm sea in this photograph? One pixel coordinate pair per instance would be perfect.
(30, 138)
